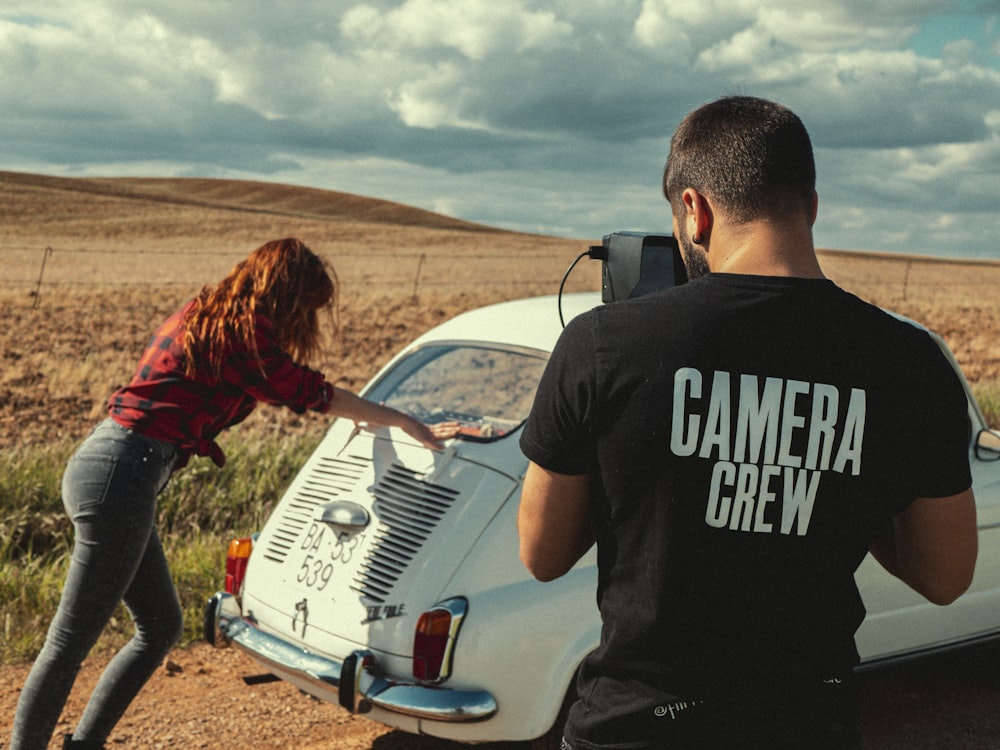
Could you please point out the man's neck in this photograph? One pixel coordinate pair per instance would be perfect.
(765, 249)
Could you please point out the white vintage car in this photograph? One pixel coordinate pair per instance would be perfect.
(387, 579)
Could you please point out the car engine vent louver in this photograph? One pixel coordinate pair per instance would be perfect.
(408, 510)
(329, 479)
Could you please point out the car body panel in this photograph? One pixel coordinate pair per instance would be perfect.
(335, 583)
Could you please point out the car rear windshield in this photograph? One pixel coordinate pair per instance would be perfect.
(487, 390)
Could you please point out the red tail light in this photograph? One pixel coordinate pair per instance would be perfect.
(236, 564)
(434, 640)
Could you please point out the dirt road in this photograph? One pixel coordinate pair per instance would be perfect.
(199, 700)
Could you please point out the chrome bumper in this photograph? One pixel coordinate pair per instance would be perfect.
(356, 683)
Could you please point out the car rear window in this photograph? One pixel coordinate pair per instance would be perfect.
(488, 390)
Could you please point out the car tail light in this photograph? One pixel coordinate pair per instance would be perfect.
(434, 640)
(236, 564)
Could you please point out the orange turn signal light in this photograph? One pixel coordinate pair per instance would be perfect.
(237, 557)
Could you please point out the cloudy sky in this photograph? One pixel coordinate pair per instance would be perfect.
(548, 116)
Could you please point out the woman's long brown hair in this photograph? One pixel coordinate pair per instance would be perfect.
(282, 280)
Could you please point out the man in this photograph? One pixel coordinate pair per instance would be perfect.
(735, 446)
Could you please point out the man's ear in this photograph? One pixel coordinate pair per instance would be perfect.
(698, 214)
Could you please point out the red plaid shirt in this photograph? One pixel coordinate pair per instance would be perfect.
(164, 403)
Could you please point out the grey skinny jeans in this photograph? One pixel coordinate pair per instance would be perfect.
(109, 490)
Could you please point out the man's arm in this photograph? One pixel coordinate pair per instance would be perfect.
(553, 521)
(933, 546)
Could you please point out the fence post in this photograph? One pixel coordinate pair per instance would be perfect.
(41, 273)
(416, 279)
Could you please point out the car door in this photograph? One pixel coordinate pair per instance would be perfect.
(900, 622)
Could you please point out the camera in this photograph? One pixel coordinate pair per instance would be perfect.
(637, 263)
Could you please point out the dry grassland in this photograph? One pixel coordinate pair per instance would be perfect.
(127, 252)
(123, 253)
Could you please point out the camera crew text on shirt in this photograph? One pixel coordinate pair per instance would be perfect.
(754, 442)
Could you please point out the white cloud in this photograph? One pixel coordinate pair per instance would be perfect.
(748, 48)
(549, 116)
(829, 27)
(476, 29)
(434, 101)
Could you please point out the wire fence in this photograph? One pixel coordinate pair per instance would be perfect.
(43, 273)
(39, 273)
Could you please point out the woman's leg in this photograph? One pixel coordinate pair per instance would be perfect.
(109, 490)
(159, 622)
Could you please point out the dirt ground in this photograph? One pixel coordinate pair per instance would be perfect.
(199, 700)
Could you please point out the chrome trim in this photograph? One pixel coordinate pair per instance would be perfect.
(364, 687)
(344, 515)
(456, 609)
(870, 665)
(987, 446)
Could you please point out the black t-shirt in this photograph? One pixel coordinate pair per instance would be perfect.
(748, 437)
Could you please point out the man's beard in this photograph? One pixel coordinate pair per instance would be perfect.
(695, 259)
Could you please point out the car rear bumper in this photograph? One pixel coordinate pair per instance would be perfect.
(356, 683)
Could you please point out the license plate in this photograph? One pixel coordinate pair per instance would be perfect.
(327, 558)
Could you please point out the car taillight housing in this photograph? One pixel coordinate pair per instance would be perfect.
(237, 557)
(434, 640)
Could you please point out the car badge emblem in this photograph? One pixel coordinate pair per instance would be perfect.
(301, 608)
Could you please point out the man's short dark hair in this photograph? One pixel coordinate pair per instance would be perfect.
(751, 156)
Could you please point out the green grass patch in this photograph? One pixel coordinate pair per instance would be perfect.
(988, 396)
(200, 510)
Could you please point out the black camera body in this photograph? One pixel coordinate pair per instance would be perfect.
(636, 263)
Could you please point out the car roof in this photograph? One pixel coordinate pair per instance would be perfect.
(533, 322)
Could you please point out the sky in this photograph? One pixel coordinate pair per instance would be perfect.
(546, 117)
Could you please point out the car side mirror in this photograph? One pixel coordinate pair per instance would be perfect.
(987, 446)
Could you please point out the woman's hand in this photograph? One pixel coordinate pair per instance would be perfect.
(364, 412)
(430, 435)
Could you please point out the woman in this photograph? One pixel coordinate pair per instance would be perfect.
(205, 369)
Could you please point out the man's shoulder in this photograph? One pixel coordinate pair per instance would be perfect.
(881, 321)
